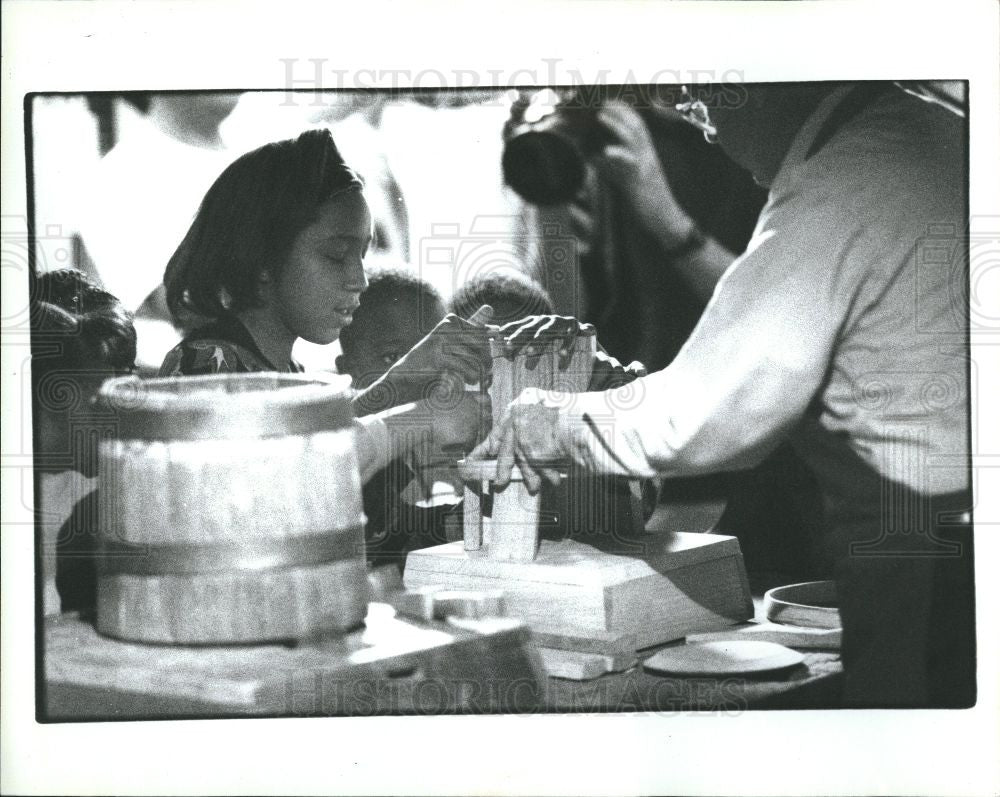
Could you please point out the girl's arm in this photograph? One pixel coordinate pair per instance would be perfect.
(455, 348)
(421, 425)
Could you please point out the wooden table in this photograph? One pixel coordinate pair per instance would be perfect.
(813, 684)
(433, 668)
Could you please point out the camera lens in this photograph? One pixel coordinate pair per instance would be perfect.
(545, 167)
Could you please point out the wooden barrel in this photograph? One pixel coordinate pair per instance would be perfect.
(230, 510)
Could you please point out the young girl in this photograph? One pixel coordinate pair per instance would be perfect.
(275, 253)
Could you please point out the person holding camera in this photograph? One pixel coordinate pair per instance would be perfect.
(828, 331)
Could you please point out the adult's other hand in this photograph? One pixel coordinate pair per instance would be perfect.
(633, 166)
(526, 435)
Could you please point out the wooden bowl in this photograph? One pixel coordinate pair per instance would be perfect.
(812, 604)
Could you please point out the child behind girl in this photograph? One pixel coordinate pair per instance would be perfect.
(511, 294)
(275, 253)
(394, 315)
(80, 336)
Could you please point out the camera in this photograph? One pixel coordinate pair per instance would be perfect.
(547, 142)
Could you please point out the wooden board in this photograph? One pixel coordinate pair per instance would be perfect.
(790, 635)
(607, 643)
(393, 665)
(683, 583)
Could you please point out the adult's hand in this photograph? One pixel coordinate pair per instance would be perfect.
(609, 373)
(633, 166)
(541, 329)
(527, 435)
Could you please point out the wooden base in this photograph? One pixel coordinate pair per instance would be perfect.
(679, 584)
(237, 607)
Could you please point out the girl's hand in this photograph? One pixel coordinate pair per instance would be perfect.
(455, 425)
(454, 349)
(426, 429)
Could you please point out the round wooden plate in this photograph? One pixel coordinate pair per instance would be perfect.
(743, 657)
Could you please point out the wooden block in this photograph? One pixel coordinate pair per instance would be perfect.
(545, 369)
(468, 603)
(501, 390)
(578, 666)
(792, 636)
(510, 531)
(472, 518)
(417, 603)
(514, 523)
(682, 583)
(435, 602)
(609, 644)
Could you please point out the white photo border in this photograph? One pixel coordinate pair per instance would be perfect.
(73, 46)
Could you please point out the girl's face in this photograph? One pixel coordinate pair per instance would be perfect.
(324, 277)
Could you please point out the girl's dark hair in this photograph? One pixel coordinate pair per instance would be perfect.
(247, 221)
(77, 327)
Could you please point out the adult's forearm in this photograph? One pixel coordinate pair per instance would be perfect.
(641, 444)
(703, 266)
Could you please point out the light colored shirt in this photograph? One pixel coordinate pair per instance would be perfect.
(843, 325)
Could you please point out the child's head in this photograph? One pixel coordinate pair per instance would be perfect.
(512, 295)
(284, 227)
(80, 336)
(396, 312)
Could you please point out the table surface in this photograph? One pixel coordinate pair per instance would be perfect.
(812, 684)
(91, 677)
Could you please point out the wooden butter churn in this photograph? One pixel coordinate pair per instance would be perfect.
(230, 510)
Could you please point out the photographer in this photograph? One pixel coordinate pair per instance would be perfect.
(559, 157)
